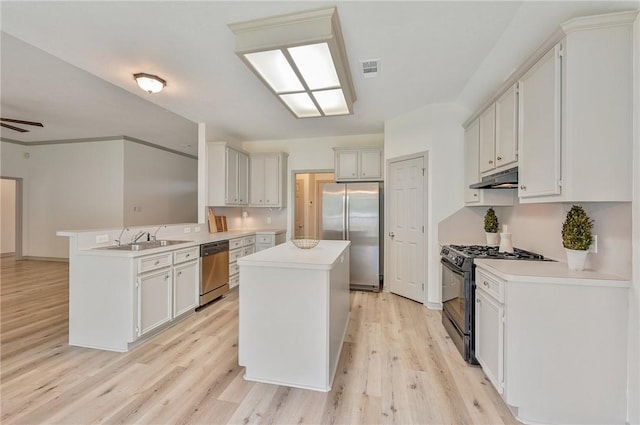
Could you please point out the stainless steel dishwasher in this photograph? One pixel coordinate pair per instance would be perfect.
(214, 275)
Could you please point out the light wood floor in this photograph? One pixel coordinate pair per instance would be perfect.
(397, 367)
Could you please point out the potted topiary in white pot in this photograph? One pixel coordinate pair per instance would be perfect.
(576, 237)
(491, 227)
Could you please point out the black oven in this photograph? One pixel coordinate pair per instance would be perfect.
(458, 293)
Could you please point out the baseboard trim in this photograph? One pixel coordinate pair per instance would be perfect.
(433, 306)
(7, 254)
(56, 259)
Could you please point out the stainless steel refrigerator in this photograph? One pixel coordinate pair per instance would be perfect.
(353, 211)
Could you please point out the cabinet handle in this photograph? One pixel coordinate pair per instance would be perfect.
(353, 174)
(267, 200)
(486, 285)
(166, 277)
(477, 300)
(363, 174)
(475, 195)
(179, 273)
(157, 262)
(490, 161)
(188, 255)
(499, 158)
(523, 187)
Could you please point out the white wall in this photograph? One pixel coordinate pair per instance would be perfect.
(7, 216)
(81, 186)
(162, 186)
(438, 130)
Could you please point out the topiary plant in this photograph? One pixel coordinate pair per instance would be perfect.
(576, 229)
(490, 221)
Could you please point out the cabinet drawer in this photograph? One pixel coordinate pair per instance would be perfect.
(249, 240)
(265, 239)
(490, 285)
(234, 255)
(233, 281)
(234, 268)
(248, 251)
(186, 255)
(235, 243)
(146, 264)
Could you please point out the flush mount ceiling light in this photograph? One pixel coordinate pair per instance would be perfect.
(150, 83)
(302, 59)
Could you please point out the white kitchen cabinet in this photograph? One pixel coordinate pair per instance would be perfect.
(487, 123)
(227, 175)
(506, 152)
(154, 300)
(238, 248)
(539, 127)
(552, 340)
(489, 332)
(358, 164)
(268, 240)
(576, 127)
(479, 197)
(186, 280)
(268, 180)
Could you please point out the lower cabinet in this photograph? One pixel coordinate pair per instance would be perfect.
(185, 287)
(154, 300)
(489, 337)
(268, 240)
(240, 247)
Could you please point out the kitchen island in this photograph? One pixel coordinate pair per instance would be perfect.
(294, 311)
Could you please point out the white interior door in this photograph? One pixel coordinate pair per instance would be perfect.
(405, 233)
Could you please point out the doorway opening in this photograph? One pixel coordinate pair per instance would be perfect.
(307, 205)
(11, 217)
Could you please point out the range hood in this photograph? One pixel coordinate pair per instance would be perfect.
(507, 179)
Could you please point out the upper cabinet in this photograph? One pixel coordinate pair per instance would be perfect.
(565, 117)
(227, 174)
(479, 197)
(498, 134)
(268, 180)
(576, 108)
(358, 164)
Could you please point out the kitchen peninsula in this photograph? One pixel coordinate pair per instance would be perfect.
(294, 311)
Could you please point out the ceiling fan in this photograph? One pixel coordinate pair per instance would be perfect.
(21, 130)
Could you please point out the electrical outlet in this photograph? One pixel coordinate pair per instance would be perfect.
(268, 220)
(102, 238)
(594, 245)
(196, 229)
(187, 229)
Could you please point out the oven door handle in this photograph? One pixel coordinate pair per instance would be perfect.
(451, 267)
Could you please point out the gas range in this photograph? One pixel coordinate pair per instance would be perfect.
(462, 255)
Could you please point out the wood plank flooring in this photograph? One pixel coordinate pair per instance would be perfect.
(397, 367)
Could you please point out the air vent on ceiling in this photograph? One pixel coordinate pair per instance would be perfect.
(370, 68)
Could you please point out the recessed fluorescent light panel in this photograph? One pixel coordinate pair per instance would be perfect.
(301, 58)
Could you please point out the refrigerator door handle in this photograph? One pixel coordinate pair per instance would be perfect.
(346, 217)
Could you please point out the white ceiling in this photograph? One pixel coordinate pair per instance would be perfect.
(70, 64)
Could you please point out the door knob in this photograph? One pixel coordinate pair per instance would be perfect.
(391, 234)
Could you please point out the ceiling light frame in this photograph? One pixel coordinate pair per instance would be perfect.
(284, 32)
(141, 77)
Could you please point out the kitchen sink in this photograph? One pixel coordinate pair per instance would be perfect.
(139, 246)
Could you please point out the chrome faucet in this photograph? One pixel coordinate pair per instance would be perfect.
(137, 237)
(119, 240)
(154, 236)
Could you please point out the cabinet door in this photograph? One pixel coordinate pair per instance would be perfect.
(186, 281)
(489, 338)
(471, 151)
(346, 165)
(271, 180)
(154, 300)
(257, 180)
(539, 127)
(232, 176)
(487, 139)
(371, 164)
(243, 178)
(507, 128)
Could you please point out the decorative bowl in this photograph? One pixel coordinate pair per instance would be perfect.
(305, 243)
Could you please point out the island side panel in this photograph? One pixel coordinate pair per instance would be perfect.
(338, 310)
(283, 326)
(101, 302)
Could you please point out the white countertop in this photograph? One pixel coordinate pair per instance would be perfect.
(287, 255)
(191, 240)
(548, 272)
